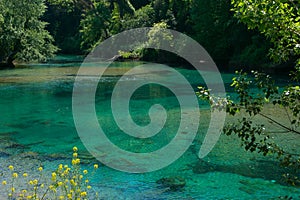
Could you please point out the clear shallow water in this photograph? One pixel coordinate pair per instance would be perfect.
(36, 117)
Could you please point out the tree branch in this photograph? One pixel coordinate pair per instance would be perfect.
(280, 124)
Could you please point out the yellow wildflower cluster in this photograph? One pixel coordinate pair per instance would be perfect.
(65, 183)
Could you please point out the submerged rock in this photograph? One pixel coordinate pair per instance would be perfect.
(174, 183)
(4, 153)
(15, 145)
(265, 169)
(202, 167)
(30, 154)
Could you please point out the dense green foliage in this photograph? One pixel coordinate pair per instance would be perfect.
(211, 23)
(78, 25)
(279, 22)
(22, 33)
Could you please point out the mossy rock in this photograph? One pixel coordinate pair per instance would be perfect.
(174, 183)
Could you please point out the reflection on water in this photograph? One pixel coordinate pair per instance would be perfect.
(37, 124)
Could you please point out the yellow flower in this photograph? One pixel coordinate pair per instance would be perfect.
(69, 196)
(85, 171)
(42, 186)
(96, 166)
(60, 183)
(89, 187)
(61, 197)
(76, 161)
(12, 189)
(30, 182)
(11, 167)
(29, 197)
(35, 181)
(53, 176)
(51, 187)
(66, 172)
(60, 167)
(25, 174)
(24, 191)
(73, 182)
(40, 169)
(83, 194)
(86, 181)
(80, 177)
(75, 155)
(4, 182)
(75, 149)
(15, 175)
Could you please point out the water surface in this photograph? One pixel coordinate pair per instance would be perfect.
(36, 119)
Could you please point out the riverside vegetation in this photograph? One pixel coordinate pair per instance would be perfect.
(66, 182)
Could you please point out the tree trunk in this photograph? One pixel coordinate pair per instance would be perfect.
(9, 61)
(7, 65)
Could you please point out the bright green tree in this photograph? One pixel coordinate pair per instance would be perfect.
(143, 17)
(278, 20)
(22, 34)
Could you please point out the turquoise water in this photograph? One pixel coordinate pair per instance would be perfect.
(37, 120)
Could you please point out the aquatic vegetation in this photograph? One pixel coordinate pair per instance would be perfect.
(66, 182)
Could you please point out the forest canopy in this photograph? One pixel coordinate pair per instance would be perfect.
(237, 34)
(22, 34)
(211, 23)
